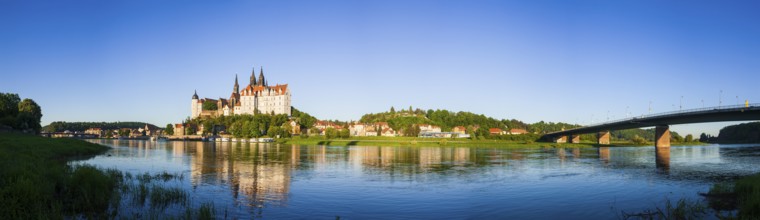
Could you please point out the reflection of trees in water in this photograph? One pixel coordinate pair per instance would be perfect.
(416, 160)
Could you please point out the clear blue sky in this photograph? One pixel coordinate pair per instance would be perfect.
(570, 61)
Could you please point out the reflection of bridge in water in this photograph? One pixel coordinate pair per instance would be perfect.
(661, 122)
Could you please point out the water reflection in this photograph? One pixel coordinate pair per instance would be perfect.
(260, 172)
(604, 155)
(662, 159)
(293, 181)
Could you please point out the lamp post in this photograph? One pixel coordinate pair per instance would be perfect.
(650, 107)
(703, 103)
(720, 99)
(680, 104)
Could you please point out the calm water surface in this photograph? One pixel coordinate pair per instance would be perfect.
(274, 181)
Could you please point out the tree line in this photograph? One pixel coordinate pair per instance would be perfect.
(741, 133)
(60, 126)
(23, 115)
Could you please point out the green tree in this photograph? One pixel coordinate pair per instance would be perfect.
(9, 104)
(169, 129)
(344, 133)
(279, 120)
(286, 128)
(29, 116)
(703, 137)
(236, 129)
(9, 109)
(210, 106)
(189, 130)
(688, 138)
(275, 132)
(393, 110)
(411, 131)
(247, 132)
(124, 132)
(331, 133)
(207, 127)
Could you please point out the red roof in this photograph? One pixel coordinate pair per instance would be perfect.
(517, 131)
(254, 90)
(494, 130)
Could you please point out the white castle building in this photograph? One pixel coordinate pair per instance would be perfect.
(257, 97)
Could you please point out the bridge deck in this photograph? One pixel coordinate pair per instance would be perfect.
(701, 115)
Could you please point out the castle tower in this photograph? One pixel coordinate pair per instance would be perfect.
(253, 77)
(235, 94)
(236, 89)
(261, 78)
(195, 106)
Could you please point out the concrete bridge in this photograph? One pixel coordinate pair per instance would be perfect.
(661, 122)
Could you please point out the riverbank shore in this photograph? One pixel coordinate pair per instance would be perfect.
(37, 183)
(426, 142)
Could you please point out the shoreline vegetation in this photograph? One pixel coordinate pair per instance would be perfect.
(38, 181)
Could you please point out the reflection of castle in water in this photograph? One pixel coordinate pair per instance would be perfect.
(259, 172)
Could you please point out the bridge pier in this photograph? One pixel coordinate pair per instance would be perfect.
(662, 136)
(560, 139)
(576, 138)
(603, 138)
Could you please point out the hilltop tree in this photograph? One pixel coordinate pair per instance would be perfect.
(393, 110)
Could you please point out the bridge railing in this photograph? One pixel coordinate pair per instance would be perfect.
(678, 112)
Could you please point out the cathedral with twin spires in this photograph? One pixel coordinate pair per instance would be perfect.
(257, 97)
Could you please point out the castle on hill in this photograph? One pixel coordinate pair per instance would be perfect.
(257, 97)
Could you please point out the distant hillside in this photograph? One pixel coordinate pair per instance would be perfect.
(60, 126)
(443, 118)
(448, 119)
(741, 133)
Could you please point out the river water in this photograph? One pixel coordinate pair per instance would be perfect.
(275, 181)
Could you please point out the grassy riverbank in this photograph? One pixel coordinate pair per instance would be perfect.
(742, 195)
(35, 181)
(426, 142)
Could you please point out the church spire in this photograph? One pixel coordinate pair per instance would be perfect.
(195, 94)
(253, 77)
(237, 87)
(261, 77)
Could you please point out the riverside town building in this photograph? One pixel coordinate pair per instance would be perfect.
(257, 97)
